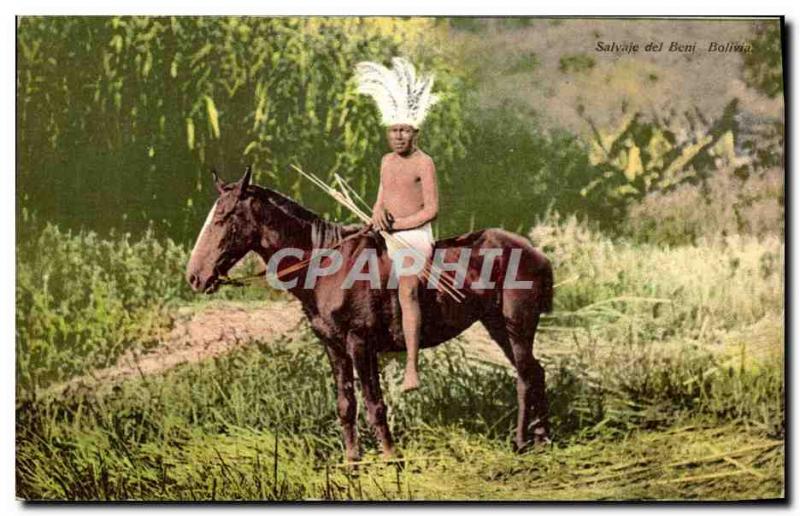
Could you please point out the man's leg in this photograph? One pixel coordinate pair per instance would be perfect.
(408, 292)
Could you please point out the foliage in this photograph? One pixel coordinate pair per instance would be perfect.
(659, 293)
(644, 156)
(125, 115)
(763, 68)
(148, 104)
(727, 205)
(522, 172)
(524, 63)
(81, 300)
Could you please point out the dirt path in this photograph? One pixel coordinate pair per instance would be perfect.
(203, 332)
(199, 333)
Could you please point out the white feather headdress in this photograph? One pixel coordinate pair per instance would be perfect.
(401, 96)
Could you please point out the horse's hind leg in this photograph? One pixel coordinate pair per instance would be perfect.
(517, 345)
(496, 326)
(531, 388)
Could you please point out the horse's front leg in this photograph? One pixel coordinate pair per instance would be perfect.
(342, 367)
(366, 362)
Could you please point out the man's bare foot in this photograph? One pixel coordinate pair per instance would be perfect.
(410, 382)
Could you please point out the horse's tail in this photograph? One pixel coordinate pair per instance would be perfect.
(546, 289)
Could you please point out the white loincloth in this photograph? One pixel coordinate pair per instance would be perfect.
(420, 239)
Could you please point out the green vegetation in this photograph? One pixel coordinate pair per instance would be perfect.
(524, 63)
(658, 292)
(664, 223)
(129, 121)
(664, 372)
(149, 104)
(211, 432)
(576, 63)
(763, 66)
(81, 300)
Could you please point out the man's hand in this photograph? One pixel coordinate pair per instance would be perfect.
(382, 219)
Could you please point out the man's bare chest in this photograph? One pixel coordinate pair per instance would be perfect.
(402, 178)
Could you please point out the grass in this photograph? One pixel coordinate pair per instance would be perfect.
(665, 379)
(83, 300)
(260, 425)
(693, 292)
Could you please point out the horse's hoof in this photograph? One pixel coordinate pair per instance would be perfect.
(539, 442)
(389, 454)
(394, 458)
(540, 438)
(352, 468)
(520, 448)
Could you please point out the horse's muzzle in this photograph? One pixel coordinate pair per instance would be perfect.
(207, 286)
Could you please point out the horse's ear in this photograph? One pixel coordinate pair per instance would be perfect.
(244, 182)
(218, 183)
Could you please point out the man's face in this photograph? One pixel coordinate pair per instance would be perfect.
(401, 138)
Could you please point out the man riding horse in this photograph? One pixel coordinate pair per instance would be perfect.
(506, 283)
(408, 198)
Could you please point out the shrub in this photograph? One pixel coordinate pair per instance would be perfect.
(727, 205)
(657, 291)
(82, 299)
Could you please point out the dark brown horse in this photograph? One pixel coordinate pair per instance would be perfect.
(357, 323)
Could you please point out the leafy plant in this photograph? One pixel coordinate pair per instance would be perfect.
(643, 156)
(762, 66)
(124, 116)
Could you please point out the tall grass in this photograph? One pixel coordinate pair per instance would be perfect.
(631, 316)
(686, 291)
(726, 205)
(124, 115)
(83, 300)
(655, 392)
(260, 424)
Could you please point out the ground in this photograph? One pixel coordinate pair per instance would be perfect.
(227, 350)
(204, 331)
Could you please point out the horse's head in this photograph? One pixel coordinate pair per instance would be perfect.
(230, 231)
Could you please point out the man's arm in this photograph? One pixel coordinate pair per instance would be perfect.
(430, 201)
(379, 201)
(379, 217)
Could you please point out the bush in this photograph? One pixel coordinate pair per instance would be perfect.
(512, 174)
(657, 291)
(82, 299)
(725, 205)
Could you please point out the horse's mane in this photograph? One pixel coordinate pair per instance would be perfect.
(285, 204)
(323, 233)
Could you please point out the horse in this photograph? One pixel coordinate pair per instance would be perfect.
(356, 324)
